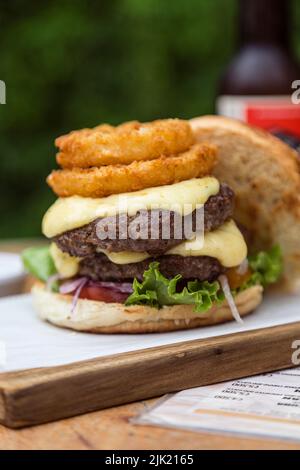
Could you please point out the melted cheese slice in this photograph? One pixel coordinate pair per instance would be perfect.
(74, 212)
(125, 257)
(226, 244)
(66, 265)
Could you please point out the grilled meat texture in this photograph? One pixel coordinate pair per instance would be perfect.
(135, 233)
(99, 267)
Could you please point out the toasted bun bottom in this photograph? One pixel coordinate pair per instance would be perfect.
(101, 317)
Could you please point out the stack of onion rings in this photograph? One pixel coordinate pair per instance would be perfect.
(109, 160)
(116, 179)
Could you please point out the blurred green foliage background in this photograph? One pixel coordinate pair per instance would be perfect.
(71, 64)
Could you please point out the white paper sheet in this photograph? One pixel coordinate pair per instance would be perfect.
(262, 406)
(12, 274)
(29, 342)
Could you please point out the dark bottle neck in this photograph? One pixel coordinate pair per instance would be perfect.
(265, 22)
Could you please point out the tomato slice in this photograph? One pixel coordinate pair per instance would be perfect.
(102, 294)
(235, 279)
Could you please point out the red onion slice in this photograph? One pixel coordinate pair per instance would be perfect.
(51, 280)
(243, 267)
(123, 287)
(70, 286)
(229, 297)
(83, 282)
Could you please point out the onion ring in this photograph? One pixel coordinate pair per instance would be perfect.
(116, 179)
(129, 142)
(82, 133)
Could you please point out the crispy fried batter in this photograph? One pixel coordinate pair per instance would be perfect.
(129, 142)
(63, 140)
(116, 179)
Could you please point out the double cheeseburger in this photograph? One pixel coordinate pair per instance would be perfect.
(120, 259)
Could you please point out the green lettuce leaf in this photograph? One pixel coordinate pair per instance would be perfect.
(267, 267)
(38, 262)
(155, 290)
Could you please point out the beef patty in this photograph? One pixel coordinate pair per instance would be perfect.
(99, 267)
(84, 241)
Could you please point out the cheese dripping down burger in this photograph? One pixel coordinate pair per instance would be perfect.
(142, 237)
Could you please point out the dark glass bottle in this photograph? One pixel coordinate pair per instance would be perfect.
(259, 82)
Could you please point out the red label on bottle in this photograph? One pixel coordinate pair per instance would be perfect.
(270, 113)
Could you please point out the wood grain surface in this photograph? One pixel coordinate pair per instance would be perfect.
(111, 429)
(40, 395)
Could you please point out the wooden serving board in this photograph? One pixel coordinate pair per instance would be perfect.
(36, 396)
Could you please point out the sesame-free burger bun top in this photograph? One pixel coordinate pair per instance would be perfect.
(264, 174)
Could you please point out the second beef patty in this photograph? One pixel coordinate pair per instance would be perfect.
(203, 268)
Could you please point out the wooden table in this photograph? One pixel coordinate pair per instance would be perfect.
(111, 429)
